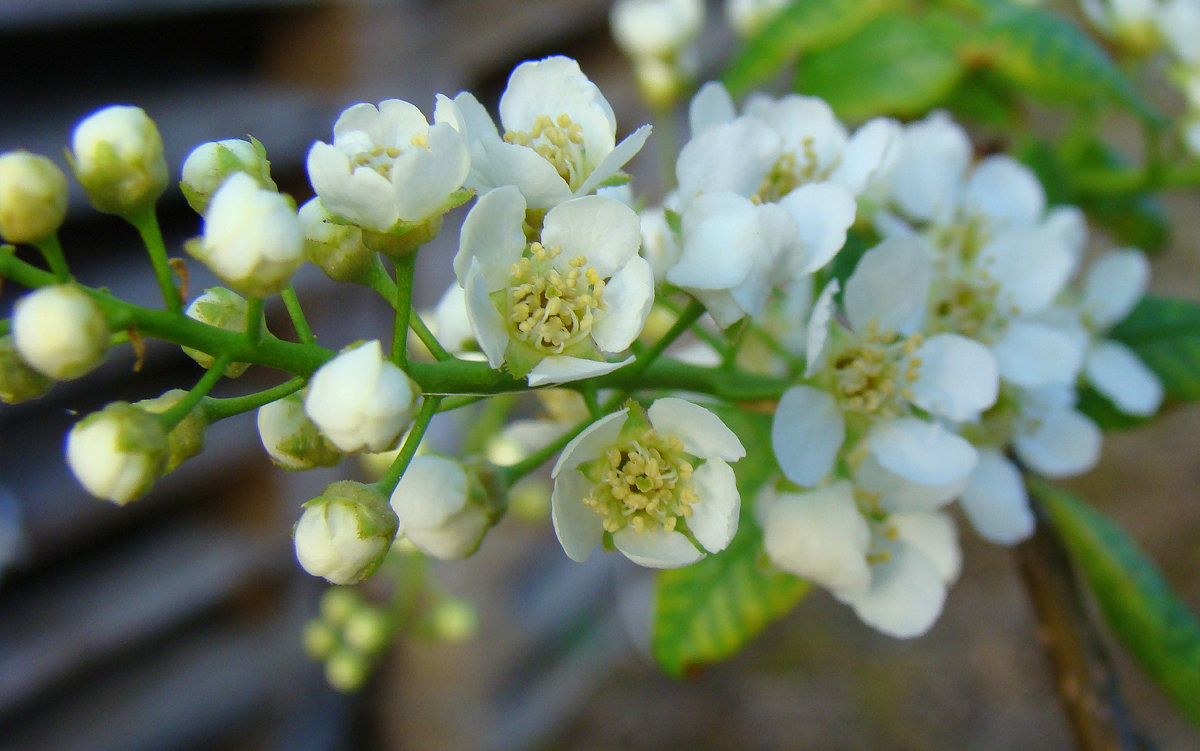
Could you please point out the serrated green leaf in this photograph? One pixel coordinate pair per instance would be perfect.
(1046, 54)
(1139, 606)
(898, 64)
(1165, 334)
(709, 610)
(801, 26)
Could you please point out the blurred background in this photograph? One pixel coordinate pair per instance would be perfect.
(175, 623)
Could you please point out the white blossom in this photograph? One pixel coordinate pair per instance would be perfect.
(60, 331)
(360, 401)
(443, 507)
(118, 452)
(344, 534)
(656, 28)
(117, 155)
(644, 477)
(33, 197)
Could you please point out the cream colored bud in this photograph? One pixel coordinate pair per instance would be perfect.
(211, 163)
(337, 249)
(60, 331)
(117, 155)
(186, 439)
(445, 507)
(226, 310)
(118, 452)
(291, 438)
(33, 197)
(18, 381)
(345, 532)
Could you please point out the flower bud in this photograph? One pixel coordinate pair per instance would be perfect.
(345, 532)
(210, 163)
(445, 507)
(748, 17)
(224, 309)
(186, 439)
(367, 630)
(346, 670)
(656, 28)
(361, 401)
(319, 638)
(118, 452)
(117, 155)
(291, 439)
(337, 603)
(453, 620)
(33, 197)
(252, 237)
(60, 331)
(18, 381)
(337, 249)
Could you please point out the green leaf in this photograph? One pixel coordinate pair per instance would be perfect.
(984, 98)
(709, 610)
(898, 65)
(1047, 55)
(1165, 334)
(1147, 617)
(1104, 413)
(802, 25)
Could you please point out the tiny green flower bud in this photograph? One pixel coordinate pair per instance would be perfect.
(118, 452)
(291, 438)
(186, 439)
(224, 309)
(60, 331)
(345, 532)
(346, 670)
(320, 639)
(117, 155)
(453, 620)
(367, 630)
(445, 507)
(18, 381)
(33, 197)
(252, 237)
(210, 163)
(337, 603)
(337, 249)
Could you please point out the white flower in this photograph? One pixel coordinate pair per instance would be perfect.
(206, 168)
(995, 500)
(645, 477)
(60, 331)
(818, 535)
(452, 324)
(872, 374)
(344, 534)
(252, 237)
(1053, 438)
(360, 401)
(748, 17)
(656, 28)
(552, 309)
(291, 439)
(559, 134)
(1179, 22)
(117, 154)
(33, 197)
(388, 165)
(226, 310)
(443, 507)
(118, 452)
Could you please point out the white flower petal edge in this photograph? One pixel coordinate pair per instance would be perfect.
(873, 291)
(818, 535)
(995, 500)
(702, 432)
(1117, 373)
(657, 549)
(806, 434)
(1113, 286)
(564, 369)
(1061, 443)
(906, 595)
(924, 452)
(715, 522)
(958, 377)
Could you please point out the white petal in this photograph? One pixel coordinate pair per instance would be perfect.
(1061, 444)
(734, 157)
(591, 442)
(553, 86)
(578, 527)
(864, 153)
(1113, 286)
(926, 178)
(564, 369)
(1005, 191)
(605, 231)
(995, 500)
(1031, 265)
(823, 212)
(818, 328)
(712, 105)
(906, 594)
(496, 163)
(920, 451)
(612, 163)
(702, 432)
(657, 549)
(890, 285)
(1117, 373)
(806, 434)
(486, 322)
(810, 130)
(425, 177)
(492, 234)
(935, 536)
(819, 535)
(714, 519)
(360, 195)
(629, 295)
(957, 377)
(721, 307)
(1032, 354)
(712, 225)
(897, 493)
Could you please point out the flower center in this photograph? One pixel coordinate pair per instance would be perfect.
(549, 309)
(560, 142)
(966, 307)
(644, 484)
(789, 173)
(872, 374)
(381, 158)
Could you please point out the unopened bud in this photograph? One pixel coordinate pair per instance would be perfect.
(186, 439)
(446, 507)
(345, 532)
(18, 381)
(291, 438)
(60, 331)
(361, 401)
(33, 197)
(337, 249)
(117, 155)
(453, 620)
(367, 630)
(210, 163)
(320, 639)
(226, 310)
(346, 670)
(118, 452)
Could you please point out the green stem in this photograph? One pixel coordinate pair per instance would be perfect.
(145, 222)
(699, 331)
(686, 318)
(427, 338)
(377, 279)
(451, 403)
(296, 313)
(175, 414)
(387, 483)
(405, 270)
(219, 409)
(5, 326)
(736, 338)
(254, 320)
(588, 391)
(52, 251)
(514, 472)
